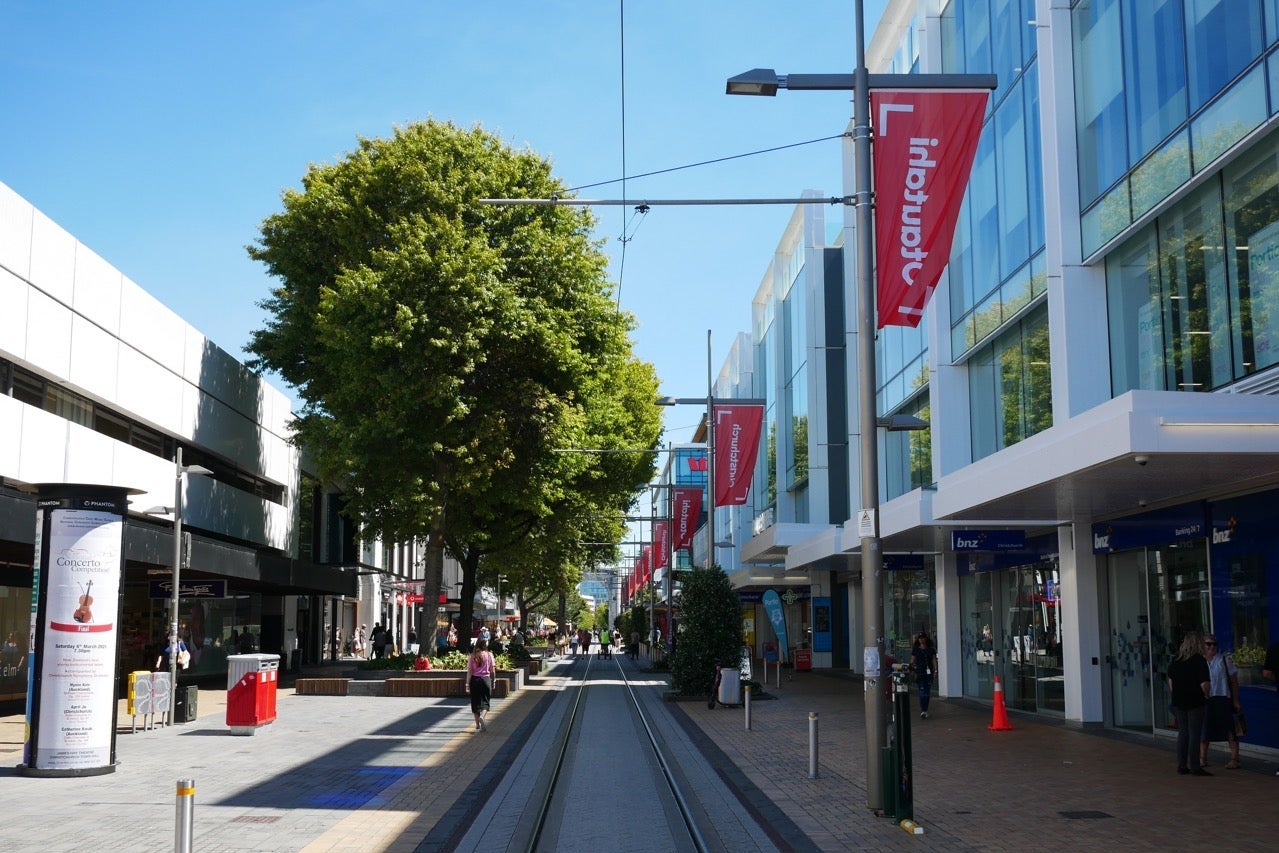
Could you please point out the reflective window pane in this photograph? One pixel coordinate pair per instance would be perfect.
(1154, 72)
(1225, 35)
(1099, 101)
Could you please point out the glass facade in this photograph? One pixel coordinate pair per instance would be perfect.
(1193, 298)
(1010, 386)
(996, 271)
(1162, 89)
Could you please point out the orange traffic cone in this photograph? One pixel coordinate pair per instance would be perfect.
(1000, 722)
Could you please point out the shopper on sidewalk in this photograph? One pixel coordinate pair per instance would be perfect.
(923, 660)
(1223, 704)
(479, 682)
(1188, 685)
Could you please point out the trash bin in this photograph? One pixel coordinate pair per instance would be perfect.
(730, 686)
(252, 683)
(186, 705)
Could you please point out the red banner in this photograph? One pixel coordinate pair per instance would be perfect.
(737, 431)
(925, 141)
(661, 543)
(687, 507)
(646, 565)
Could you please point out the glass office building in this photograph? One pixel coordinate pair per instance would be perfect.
(1098, 365)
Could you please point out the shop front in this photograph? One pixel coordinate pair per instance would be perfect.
(1203, 566)
(1010, 625)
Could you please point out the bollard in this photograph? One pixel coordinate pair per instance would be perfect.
(747, 701)
(812, 744)
(184, 817)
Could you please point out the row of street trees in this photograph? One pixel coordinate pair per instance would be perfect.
(445, 354)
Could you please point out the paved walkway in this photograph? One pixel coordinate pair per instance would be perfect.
(387, 774)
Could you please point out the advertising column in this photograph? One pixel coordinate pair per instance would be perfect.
(71, 700)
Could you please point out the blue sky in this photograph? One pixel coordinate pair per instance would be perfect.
(162, 134)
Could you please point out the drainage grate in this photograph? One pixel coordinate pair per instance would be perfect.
(1084, 815)
(256, 818)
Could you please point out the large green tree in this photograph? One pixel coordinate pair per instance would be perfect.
(443, 350)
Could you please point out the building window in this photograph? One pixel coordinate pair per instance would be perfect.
(1010, 389)
(1194, 298)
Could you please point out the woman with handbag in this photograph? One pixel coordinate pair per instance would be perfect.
(1223, 704)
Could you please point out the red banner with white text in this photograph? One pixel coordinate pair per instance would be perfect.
(686, 507)
(925, 142)
(661, 543)
(737, 431)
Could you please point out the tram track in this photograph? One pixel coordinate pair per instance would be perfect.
(669, 786)
(602, 765)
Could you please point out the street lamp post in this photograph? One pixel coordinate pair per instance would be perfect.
(767, 82)
(179, 471)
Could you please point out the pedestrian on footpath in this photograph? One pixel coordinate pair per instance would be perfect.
(360, 641)
(479, 682)
(923, 660)
(1188, 685)
(1223, 704)
(635, 641)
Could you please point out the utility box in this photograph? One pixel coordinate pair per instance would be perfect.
(252, 685)
(186, 711)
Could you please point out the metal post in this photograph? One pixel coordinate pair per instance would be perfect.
(184, 817)
(177, 582)
(812, 744)
(747, 702)
(872, 560)
(710, 458)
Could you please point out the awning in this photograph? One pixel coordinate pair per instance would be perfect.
(548, 622)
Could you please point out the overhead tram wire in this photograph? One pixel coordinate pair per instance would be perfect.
(622, 180)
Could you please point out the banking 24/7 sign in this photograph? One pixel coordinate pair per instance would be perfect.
(988, 540)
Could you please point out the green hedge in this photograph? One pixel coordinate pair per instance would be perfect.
(452, 660)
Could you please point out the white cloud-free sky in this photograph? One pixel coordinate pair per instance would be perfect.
(161, 134)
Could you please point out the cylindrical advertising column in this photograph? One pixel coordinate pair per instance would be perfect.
(79, 564)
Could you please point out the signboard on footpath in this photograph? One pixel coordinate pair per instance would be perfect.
(71, 707)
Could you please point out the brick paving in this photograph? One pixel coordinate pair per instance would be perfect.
(399, 774)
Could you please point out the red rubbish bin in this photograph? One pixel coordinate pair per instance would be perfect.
(252, 687)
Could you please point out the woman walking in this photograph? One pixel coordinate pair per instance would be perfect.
(479, 682)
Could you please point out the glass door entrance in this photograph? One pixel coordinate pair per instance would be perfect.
(1156, 596)
(1011, 630)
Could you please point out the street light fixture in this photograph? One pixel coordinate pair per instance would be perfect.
(764, 81)
(176, 510)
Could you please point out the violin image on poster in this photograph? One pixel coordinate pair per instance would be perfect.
(83, 613)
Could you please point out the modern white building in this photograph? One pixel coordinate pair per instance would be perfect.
(100, 384)
(1098, 368)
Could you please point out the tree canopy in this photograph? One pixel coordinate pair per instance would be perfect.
(444, 350)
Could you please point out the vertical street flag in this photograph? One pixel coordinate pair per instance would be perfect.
(925, 142)
(646, 565)
(737, 430)
(688, 507)
(661, 543)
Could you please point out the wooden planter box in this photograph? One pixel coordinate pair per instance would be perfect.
(321, 686)
(455, 685)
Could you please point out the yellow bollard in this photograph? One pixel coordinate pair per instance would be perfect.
(184, 817)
